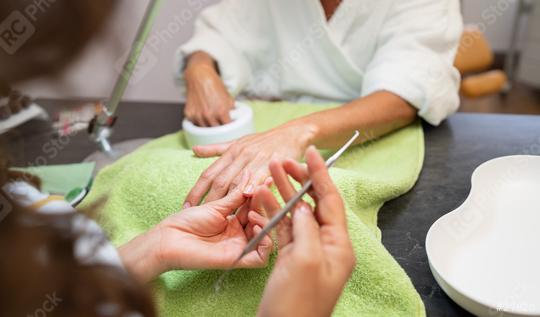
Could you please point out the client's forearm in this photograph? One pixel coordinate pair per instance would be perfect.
(374, 115)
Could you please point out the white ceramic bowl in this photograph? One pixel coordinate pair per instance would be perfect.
(486, 254)
(241, 125)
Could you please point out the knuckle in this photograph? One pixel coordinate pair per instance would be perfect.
(227, 156)
(223, 114)
(235, 149)
(235, 183)
(250, 152)
(196, 117)
(206, 176)
(220, 184)
(324, 188)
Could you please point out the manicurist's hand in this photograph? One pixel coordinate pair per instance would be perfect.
(208, 102)
(252, 153)
(205, 237)
(315, 257)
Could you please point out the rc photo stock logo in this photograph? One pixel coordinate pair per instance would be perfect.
(5, 207)
(15, 30)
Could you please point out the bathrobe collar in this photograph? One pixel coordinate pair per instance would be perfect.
(336, 31)
(341, 21)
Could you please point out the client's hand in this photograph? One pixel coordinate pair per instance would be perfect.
(205, 237)
(208, 102)
(253, 153)
(316, 257)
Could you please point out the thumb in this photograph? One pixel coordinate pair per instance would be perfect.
(211, 150)
(306, 230)
(234, 199)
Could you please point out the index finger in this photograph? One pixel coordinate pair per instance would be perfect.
(330, 208)
(204, 182)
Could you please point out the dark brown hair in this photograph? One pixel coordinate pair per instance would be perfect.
(39, 270)
(40, 37)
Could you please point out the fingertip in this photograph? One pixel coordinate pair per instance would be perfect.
(312, 149)
(189, 201)
(310, 155)
(269, 181)
(314, 159)
(252, 215)
(312, 152)
(256, 218)
(260, 192)
(249, 190)
(289, 162)
(274, 163)
(304, 210)
(195, 196)
(274, 167)
(226, 117)
(197, 150)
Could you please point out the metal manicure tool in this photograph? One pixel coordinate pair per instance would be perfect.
(284, 211)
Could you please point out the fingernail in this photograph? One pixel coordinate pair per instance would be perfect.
(269, 181)
(249, 189)
(187, 205)
(304, 209)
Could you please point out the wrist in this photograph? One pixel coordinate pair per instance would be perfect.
(306, 132)
(200, 62)
(199, 71)
(141, 256)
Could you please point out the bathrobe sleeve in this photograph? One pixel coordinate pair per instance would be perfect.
(227, 31)
(415, 55)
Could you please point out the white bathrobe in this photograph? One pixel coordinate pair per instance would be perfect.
(286, 49)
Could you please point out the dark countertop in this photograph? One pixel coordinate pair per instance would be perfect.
(453, 151)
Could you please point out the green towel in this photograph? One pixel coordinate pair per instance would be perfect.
(150, 184)
(61, 179)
